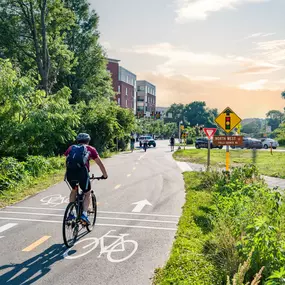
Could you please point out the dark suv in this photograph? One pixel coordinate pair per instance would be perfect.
(203, 143)
(250, 143)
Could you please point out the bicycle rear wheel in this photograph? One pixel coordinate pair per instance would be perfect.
(70, 226)
(92, 212)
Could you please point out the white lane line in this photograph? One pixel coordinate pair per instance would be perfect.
(141, 157)
(184, 166)
(7, 227)
(117, 186)
(134, 168)
(103, 225)
(104, 218)
(129, 175)
(104, 212)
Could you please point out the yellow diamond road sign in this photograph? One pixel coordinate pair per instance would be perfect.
(228, 120)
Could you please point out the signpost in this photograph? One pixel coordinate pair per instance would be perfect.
(210, 132)
(228, 120)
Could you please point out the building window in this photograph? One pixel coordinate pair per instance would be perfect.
(119, 89)
(140, 88)
(126, 103)
(126, 91)
(119, 101)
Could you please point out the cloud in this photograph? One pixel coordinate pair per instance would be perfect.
(273, 50)
(256, 85)
(216, 94)
(257, 67)
(179, 54)
(257, 35)
(200, 9)
(179, 60)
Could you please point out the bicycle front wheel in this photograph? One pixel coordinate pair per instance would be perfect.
(70, 226)
(92, 212)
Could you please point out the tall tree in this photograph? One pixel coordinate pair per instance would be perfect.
(32, 35)
(89, 78)
(196, 113)
(274, 119)
(177, 113)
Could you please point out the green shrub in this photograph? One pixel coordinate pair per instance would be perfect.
(13, 172)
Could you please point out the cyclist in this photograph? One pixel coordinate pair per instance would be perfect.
(78, 168)
(145, 143)
(132, 143)
(172, 142)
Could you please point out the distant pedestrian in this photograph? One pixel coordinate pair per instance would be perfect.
(132, 143)
(172, 143)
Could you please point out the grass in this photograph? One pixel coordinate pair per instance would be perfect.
(267, 164)
(35, 186)
(187, 263)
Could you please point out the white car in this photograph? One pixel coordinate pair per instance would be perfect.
(266, 143)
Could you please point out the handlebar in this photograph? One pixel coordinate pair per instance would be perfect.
(97, 178)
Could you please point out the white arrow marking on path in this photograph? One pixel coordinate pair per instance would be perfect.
(140, 205)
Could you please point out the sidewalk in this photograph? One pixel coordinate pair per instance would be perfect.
(271, 181)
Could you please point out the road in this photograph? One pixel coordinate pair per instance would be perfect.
(32, 250)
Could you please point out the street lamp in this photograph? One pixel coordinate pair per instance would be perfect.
(180, 123)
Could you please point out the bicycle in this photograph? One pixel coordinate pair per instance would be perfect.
(75, 209)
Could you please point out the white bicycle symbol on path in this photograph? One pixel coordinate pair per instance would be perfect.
(54, 200)
(119, 245)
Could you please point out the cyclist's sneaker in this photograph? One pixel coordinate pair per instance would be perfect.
(85, 219)
(71, 217)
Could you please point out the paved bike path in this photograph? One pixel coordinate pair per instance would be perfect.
(35, 225)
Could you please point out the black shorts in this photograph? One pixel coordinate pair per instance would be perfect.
(81, 176)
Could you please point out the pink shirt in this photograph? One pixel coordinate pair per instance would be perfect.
(93, 154)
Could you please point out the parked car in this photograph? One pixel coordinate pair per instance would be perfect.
(255, 143)
(266, 143)
(149, 139)
(250, 143)
(203, 143)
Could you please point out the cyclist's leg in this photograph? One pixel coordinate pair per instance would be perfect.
(71, 179)
(85, 185)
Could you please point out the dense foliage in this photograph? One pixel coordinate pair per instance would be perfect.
(232, 229)
(195, 113)
(53, 84)
(53, 80)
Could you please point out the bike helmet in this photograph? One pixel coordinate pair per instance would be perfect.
(83, 138)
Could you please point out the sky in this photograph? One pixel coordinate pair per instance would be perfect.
(224, 52)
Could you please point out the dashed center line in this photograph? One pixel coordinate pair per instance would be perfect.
(129, 175)
(117, 186)
(134, 168)
(36, 243)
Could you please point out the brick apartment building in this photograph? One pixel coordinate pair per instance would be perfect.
(146, 97)
(124, 84)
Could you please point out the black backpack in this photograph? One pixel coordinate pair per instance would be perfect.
(77, 157)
